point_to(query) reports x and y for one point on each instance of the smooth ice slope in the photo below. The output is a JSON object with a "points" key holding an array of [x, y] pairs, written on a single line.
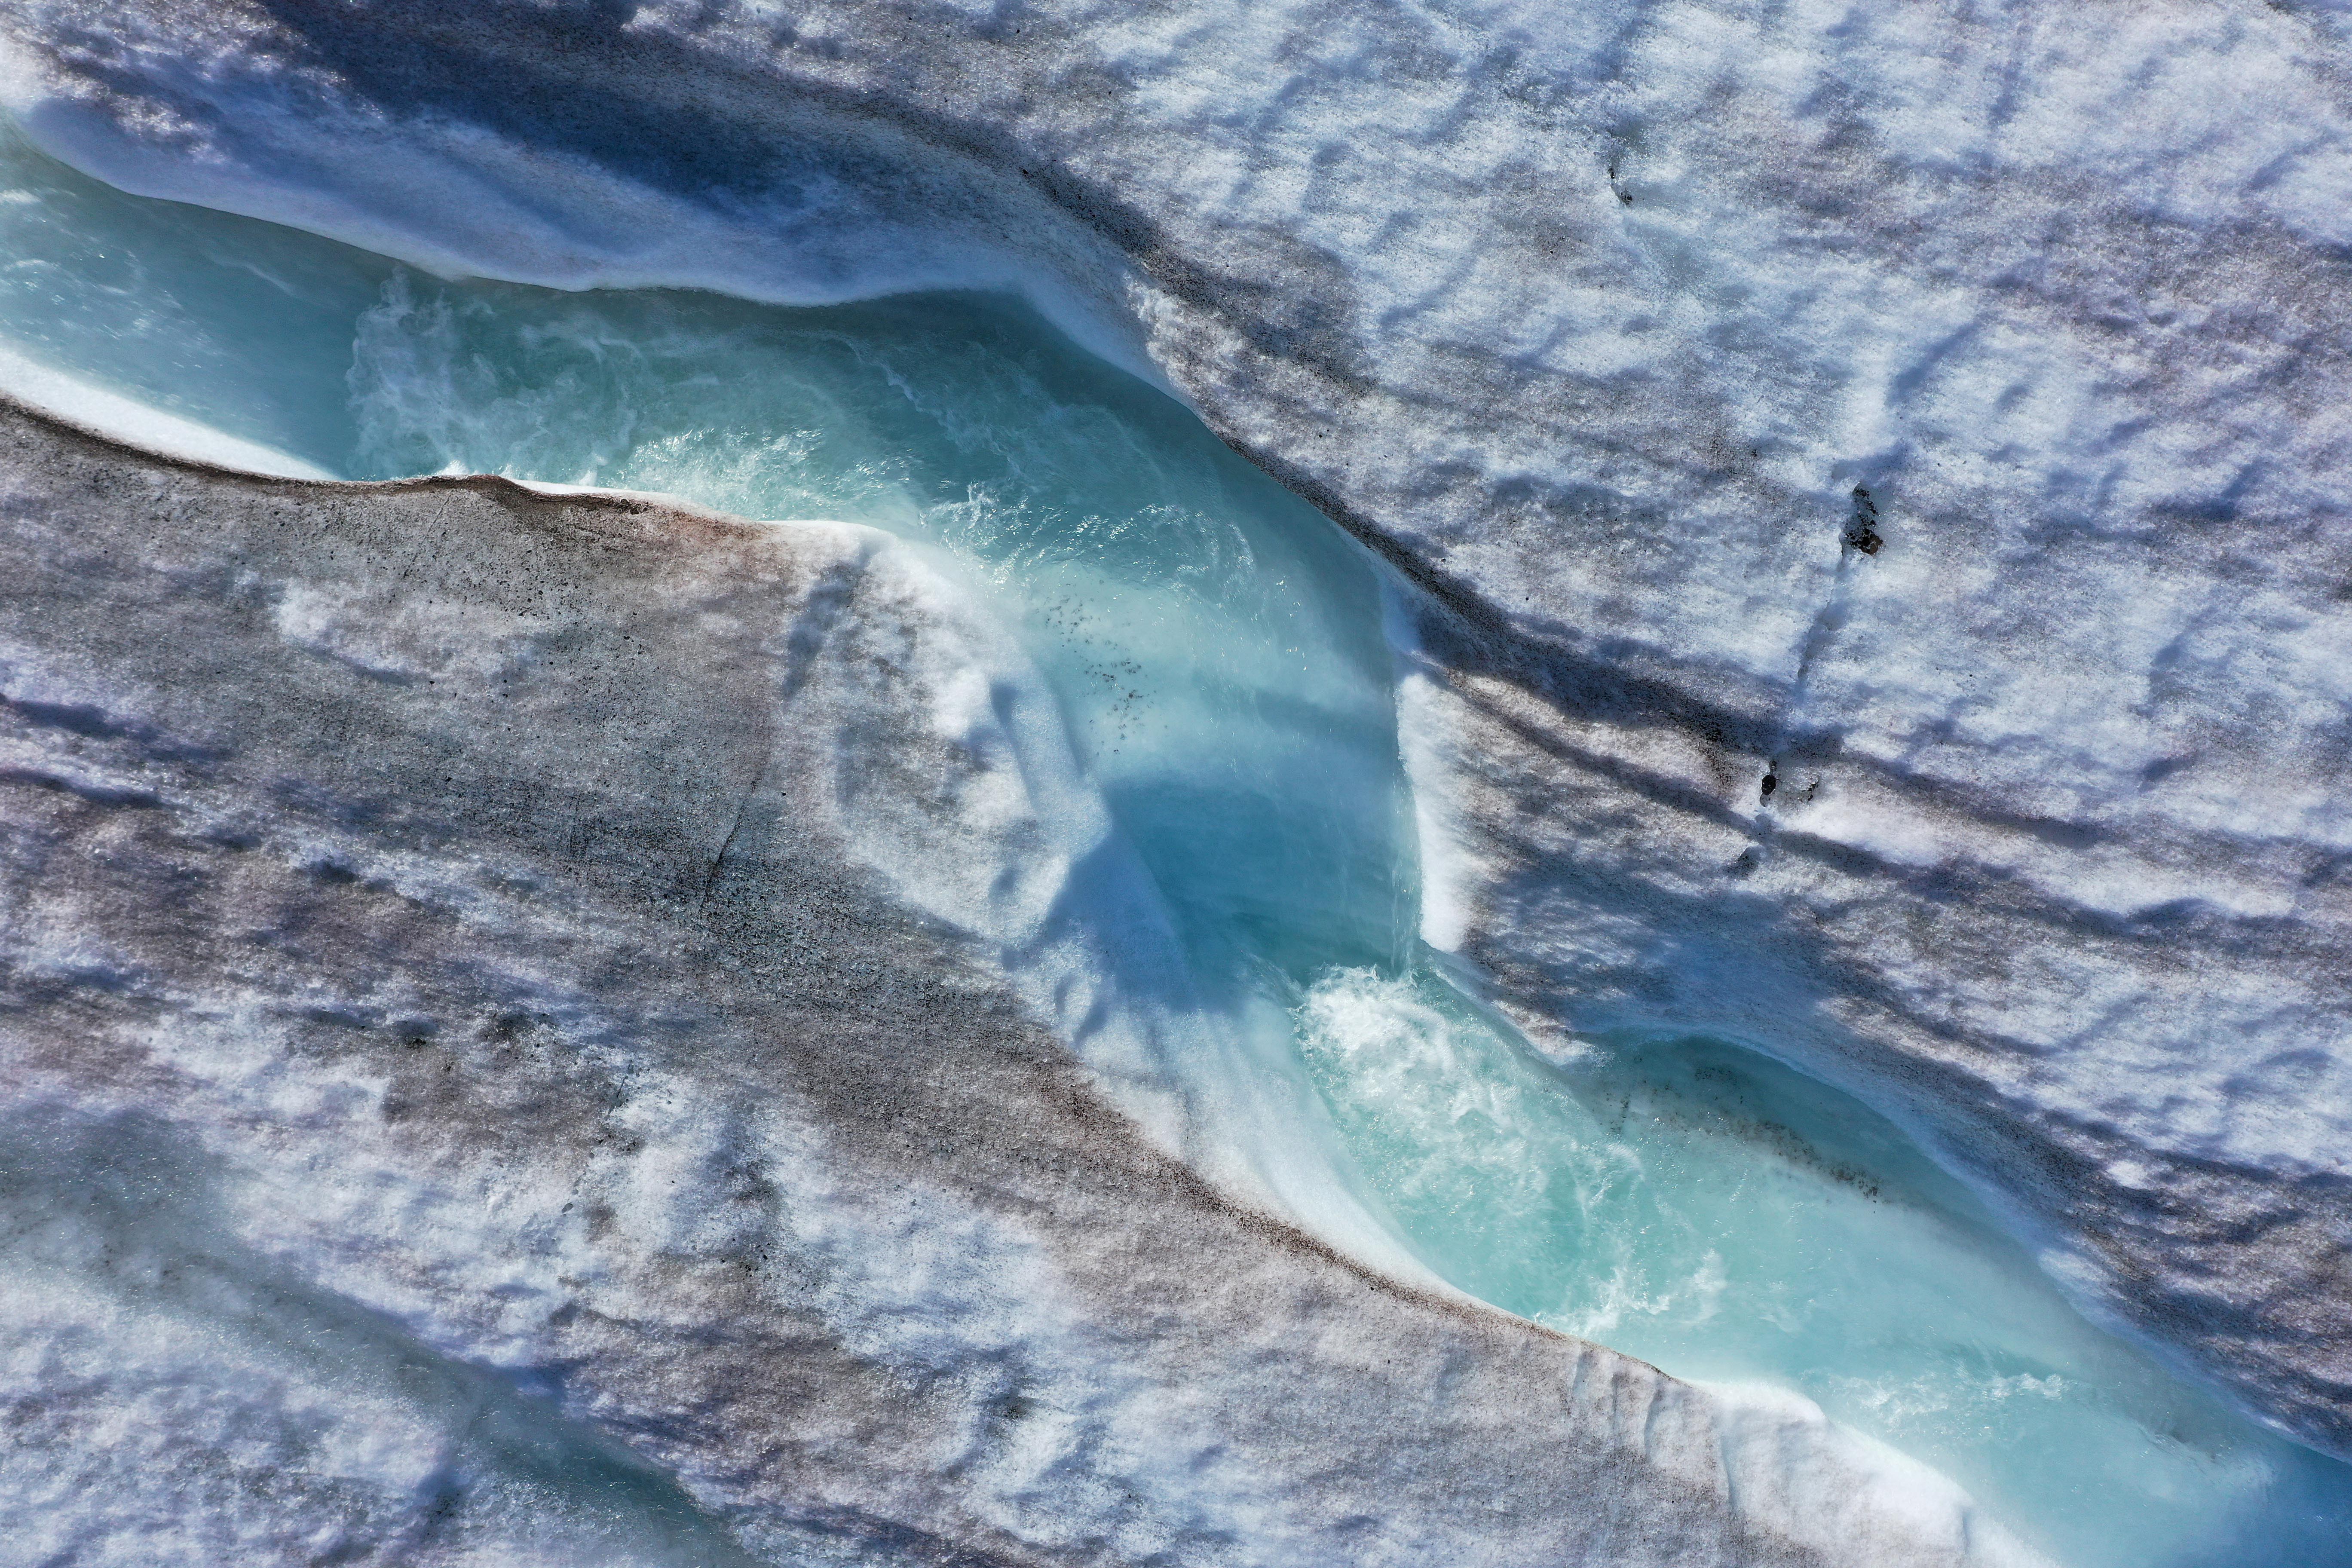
{"points": [[1596, 317], [1216, 649]]}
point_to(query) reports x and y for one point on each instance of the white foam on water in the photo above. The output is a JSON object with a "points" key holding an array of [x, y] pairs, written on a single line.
{"points": [[1681, 1202]]}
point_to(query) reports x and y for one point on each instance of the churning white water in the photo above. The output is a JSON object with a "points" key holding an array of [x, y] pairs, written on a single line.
{"points": [[1217, 648]]}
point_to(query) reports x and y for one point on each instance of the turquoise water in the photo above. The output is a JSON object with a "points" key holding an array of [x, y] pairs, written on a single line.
{"points": [[1216, 647]]}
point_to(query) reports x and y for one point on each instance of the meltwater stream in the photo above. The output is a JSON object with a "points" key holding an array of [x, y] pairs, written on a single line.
{"points": [[1218, 649]]}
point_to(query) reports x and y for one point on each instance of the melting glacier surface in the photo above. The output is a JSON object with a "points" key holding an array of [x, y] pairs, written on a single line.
{"points": [[1218, 650]]}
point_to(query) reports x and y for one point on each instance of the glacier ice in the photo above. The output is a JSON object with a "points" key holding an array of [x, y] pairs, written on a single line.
{"points": [[470, 1103], [1215, 651], [1606, 328]]}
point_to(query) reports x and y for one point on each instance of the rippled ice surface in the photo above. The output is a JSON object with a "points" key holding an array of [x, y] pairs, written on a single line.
{"points": [[1218, 649]]}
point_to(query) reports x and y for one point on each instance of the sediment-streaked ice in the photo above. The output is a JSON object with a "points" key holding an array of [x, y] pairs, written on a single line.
{"points": [[447, 998], [1932, 413], [1221, 852]]}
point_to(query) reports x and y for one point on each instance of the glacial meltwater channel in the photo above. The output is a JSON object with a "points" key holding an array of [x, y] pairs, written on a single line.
{"points": [[1218, 648]]}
